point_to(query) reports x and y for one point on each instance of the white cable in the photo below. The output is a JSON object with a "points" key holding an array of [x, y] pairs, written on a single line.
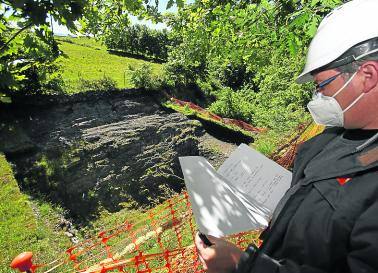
{"points": [[367, 143]]}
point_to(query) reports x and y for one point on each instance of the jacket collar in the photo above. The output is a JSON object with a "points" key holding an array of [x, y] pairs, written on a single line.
{"points": [[310, 149], [352, 162]]}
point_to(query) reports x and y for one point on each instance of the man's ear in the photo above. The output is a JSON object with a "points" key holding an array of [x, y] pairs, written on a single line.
{"points": [[370, 72]]}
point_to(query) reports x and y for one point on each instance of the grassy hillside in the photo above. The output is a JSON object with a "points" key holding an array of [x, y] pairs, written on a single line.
{"points": [[31, 225], [25, 225], [85, 58]]}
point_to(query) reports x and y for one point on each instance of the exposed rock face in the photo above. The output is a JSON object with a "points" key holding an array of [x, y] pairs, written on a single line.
{"points": [[95, 150]]}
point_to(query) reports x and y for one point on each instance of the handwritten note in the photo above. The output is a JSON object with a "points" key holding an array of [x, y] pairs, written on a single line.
{"points": [[240, 196], [256, 175]]}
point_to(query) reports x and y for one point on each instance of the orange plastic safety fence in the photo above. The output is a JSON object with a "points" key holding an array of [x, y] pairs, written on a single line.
{"points": [[227, 121], [163, 242], [285, 155]]}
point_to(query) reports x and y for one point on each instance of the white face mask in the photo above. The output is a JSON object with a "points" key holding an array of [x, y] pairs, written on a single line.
{"points": [[327, 111]]}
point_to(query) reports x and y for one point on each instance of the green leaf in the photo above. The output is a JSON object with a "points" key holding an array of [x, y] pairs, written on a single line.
{"points": [[180, 3], [170, 4], [300, 20], [313, 26], [216, 32], [314, 2], [291, 42], [5, 99]]}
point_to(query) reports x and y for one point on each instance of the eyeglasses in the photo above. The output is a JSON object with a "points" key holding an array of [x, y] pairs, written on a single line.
{"points": [[321, 85]]}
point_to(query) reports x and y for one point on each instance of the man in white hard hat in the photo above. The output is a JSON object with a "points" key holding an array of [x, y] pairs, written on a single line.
{"points": [[328, 219]]}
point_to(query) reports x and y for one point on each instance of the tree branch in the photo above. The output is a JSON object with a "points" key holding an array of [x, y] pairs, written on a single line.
{"points": [[14, 36]]}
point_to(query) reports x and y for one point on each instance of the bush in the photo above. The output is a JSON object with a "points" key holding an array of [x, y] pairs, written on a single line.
{"points": [[235, 104], [280, 102], [142, 77], [274, 101]]}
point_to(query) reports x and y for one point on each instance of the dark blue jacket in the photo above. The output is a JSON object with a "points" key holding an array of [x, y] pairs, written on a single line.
{"points": [[326, 226]]}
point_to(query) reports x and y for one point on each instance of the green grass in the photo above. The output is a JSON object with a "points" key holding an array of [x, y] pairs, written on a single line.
{"points": [[88, 59], [268, 142], [26, 225], [83, 41]]}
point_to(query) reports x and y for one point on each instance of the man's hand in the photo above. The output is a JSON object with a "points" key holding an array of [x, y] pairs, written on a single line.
{"points": [[221, 257]]}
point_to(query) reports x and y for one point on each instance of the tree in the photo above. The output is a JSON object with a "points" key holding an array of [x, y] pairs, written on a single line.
{"points": [[102, 17], [139, 39]]}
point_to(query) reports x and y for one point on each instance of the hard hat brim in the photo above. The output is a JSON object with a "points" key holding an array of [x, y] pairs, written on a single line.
{"points": [[304, 77]]}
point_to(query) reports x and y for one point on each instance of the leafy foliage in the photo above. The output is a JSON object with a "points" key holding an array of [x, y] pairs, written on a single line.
{"points": [[31, 67], [245, 55], [103, 17], [143, 77], [27, 46]]}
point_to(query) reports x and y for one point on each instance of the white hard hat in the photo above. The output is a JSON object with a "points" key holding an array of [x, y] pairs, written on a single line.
{"points": [[345, 27]]}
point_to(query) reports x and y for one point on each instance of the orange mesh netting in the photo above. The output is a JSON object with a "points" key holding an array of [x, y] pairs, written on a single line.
{"points": [[161, 242], [286, 153], [227, 121]]}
